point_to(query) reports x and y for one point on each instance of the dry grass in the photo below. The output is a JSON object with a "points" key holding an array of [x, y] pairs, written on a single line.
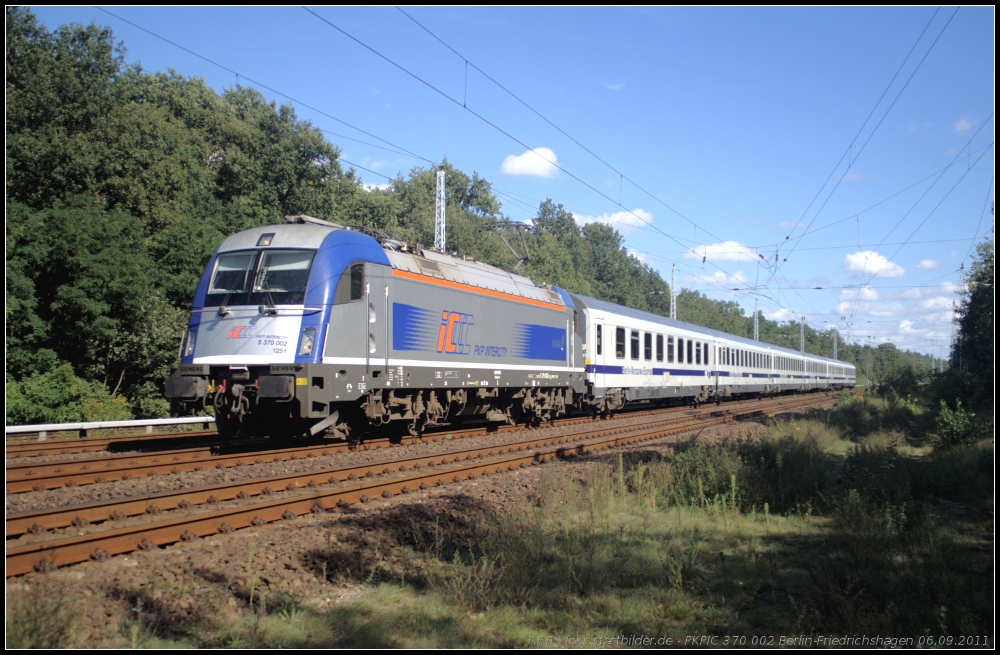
{"points": [[798, 530]]}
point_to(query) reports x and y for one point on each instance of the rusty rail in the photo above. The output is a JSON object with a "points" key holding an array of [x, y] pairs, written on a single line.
{"points": [[100, 545]]}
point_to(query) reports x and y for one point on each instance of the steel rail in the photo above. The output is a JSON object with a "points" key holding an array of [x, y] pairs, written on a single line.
{"points": [[34, 521], [101, 545], [44, 429], [99, 444], [90, 444], [23, 478]]}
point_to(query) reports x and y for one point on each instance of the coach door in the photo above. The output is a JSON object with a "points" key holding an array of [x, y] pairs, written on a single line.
{"points": [[600, 352]]}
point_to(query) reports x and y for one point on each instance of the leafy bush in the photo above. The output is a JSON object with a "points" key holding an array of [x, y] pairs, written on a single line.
{"points": [[957, 427], [59, 396]]}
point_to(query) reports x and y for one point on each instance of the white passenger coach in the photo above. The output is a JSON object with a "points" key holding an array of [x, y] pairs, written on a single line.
{"points": [[633, 355]]}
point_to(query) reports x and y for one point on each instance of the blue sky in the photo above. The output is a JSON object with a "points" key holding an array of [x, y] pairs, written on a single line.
{"points": [[732, 119]]}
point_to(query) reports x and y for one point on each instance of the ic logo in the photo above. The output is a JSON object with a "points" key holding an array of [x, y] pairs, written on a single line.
{"points": [[241, 332], [453, 332]]}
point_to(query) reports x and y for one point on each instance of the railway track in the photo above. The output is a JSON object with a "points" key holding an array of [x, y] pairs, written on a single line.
{"points": [[25, 522], [304, 492], [31, 476], [20, 449]]}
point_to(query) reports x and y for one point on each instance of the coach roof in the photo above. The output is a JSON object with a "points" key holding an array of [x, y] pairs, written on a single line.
{"points": [[611, 308]]}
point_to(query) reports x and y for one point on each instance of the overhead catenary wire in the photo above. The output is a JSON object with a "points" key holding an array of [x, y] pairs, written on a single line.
{"points": [[400, 150], [959, 181], [880, 202], [491, 124], [989, 191], [849, 150], [622, 177], [365, 169], [264, 86], [926, 218]]}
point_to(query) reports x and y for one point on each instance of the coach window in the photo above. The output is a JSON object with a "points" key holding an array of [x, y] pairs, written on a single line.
{"points": [[670, 350], [635, 344], [620, 343], [697, 353], [680, 350], [598, 340], [690, 349], [647, 346], [659, 347]]}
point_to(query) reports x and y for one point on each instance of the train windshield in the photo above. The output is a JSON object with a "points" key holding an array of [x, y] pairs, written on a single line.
{"points": [[255, 277]]}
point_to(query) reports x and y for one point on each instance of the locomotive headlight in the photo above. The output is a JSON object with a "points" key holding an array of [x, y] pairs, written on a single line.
{"points": [[189, 339], [308, 341]]}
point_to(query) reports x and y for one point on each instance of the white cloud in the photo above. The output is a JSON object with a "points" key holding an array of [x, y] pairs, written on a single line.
{"points": [[887, 309], [868, 262], [782, 315], [717, 279], [791, 225], [939, 303], [727, 251], [622, 221], [929, 264], [964, 124], [372, 187], [531, 163], [638, 254], [866, 294], [950, 287]]}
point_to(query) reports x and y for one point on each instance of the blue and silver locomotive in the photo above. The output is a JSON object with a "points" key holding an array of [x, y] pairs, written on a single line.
{"points": [[313, 327]]}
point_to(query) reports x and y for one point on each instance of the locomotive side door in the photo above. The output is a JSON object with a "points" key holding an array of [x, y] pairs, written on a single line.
{"points": [[377, 321]]}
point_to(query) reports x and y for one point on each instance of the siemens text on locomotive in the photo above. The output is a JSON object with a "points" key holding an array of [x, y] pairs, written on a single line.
{"points": [[313, 327]]}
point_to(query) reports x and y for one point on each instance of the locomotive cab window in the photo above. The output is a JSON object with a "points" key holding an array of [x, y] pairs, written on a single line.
{"points": [[253, 277], [230, 278], [647, 346], [351, 286], [635, 344], [281, 277], [620, 343]]}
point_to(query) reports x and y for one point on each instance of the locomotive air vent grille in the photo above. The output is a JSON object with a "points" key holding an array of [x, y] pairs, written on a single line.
{"points": [[429, 268]]}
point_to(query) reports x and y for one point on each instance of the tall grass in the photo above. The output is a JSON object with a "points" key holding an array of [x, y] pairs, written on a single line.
{"points": [[711, 530], [798, 531]]}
